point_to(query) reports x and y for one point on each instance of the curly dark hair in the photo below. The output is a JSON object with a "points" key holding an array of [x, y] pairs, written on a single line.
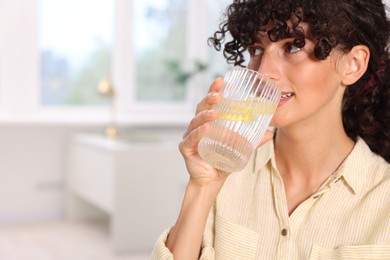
{"points": [[340, 24]]}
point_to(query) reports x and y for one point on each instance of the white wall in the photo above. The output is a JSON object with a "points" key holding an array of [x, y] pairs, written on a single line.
{"points": [[32, 168]]}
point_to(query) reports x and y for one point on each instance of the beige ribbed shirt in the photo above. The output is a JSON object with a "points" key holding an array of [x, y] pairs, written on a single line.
{"points": [[347, 218]]}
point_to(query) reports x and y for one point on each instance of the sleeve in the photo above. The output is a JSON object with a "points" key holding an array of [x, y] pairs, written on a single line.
{"points": [[208, 252], [161, 252]]}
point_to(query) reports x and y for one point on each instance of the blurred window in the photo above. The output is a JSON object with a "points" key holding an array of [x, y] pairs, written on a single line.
{"points": [[154, 52], [75, 40], [160, 36]]}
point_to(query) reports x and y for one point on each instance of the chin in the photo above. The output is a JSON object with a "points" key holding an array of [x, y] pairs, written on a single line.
{"points": [[276, 122]]}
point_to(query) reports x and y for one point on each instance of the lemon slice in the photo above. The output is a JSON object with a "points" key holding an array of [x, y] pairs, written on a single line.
{"points": [[244, 110]]}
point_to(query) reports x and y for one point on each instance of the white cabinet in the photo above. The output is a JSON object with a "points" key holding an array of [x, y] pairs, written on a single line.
{"points": [[137, 183]]}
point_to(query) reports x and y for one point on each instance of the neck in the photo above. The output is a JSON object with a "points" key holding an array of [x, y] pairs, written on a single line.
{"points": [[311, 154]]}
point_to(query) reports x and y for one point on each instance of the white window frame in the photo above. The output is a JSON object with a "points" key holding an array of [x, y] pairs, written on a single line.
{"points": [[20, 65]]}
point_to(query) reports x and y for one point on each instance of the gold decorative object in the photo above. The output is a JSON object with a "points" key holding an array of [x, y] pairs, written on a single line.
{"points": [[106, 88]]}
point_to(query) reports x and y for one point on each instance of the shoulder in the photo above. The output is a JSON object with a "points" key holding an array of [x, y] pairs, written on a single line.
{"points": [[377, 163], [363, 154], [376, 168]]}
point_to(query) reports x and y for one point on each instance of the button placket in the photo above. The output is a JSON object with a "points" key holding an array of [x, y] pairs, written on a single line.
{"points": [[282, 213]]}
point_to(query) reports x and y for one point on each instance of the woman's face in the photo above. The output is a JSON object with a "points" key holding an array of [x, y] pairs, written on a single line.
{"points": [[311, 88]]}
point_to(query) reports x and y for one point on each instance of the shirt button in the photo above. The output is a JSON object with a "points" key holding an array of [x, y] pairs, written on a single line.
{"points": [[284, 232]]}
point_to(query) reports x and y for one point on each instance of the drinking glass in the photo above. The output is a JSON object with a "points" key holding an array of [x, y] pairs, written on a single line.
{"points": [[244, 114]]}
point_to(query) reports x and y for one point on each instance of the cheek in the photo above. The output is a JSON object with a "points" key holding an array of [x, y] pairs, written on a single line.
{"points": [[314, 78]]}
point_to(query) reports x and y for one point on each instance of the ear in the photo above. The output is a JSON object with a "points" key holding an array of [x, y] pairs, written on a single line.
{"points": [[356, 64]]}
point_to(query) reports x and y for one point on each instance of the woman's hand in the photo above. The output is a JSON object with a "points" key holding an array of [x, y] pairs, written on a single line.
{"points": [[205, 182], [185, 238], [201, 172]]}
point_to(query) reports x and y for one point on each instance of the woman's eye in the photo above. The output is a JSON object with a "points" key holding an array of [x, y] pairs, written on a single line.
{"points": [[292, 48], [255, 51]]}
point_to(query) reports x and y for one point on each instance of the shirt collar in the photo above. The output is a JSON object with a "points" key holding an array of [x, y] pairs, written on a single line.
{"points": [[263, 155], [353, 171]]}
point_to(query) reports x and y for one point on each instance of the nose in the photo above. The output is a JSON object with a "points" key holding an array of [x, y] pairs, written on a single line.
{"points": [[270, 65]]}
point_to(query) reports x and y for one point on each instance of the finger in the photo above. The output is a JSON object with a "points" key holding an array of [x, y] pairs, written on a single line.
{"points": [[214, 96], [200, 119], [208, 102], [216, 86], [189, 145]]}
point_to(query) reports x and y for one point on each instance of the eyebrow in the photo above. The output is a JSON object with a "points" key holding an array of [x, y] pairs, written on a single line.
{"points": [[263, 33]]}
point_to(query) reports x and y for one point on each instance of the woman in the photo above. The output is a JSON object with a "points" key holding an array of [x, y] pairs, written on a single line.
{"points": [[319, 187]]}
